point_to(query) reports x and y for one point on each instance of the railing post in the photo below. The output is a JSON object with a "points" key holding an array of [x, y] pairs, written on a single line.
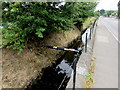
{"points": [[86, 43], [74, 71], [76, 58], [90, 33]]}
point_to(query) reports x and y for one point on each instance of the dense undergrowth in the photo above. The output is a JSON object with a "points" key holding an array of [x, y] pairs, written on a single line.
{"points": [[26, 26], [22, 21]]}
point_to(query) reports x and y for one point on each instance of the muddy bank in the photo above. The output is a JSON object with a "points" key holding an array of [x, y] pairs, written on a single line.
{"points": [[19, 70], [56, 76]]}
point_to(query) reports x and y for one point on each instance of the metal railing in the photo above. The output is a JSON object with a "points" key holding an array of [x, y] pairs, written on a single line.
{"points": [[88, 34], [77, 55]]}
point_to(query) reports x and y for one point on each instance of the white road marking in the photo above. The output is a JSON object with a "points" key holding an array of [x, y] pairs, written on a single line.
{"points": [[111, 32]]}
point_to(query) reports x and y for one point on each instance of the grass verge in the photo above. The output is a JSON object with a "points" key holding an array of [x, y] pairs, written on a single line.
{"points": [[88, 22], [89, 77]]}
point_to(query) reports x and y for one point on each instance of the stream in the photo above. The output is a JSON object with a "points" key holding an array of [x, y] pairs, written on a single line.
{"points": [[55, 77]]}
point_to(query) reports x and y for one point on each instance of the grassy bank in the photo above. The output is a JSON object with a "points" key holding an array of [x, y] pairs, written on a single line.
{"points": [[18, 70], [88, 22]]}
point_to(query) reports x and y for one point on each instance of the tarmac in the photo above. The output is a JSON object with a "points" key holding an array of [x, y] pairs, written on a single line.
{"points": [[104, 47], [106, 53]]}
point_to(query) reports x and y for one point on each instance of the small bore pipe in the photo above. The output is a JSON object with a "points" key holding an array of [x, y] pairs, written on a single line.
{"points": [[64, 49]]}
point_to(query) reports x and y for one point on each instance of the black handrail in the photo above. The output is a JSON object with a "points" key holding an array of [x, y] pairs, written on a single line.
{"points": [[78, 53]]}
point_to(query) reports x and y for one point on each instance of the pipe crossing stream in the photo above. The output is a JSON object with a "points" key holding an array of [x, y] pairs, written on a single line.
{"points": [[56, 77]]}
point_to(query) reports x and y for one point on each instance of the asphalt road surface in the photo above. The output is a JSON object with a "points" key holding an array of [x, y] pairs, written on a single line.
{"points": [[112, 26], [106, 53]]}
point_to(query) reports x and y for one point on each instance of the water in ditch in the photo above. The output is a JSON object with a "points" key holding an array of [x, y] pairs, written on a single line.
{"points": [[55, 77]]}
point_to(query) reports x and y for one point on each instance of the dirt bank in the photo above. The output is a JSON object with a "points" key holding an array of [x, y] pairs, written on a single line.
{"points": [[18, 70]]}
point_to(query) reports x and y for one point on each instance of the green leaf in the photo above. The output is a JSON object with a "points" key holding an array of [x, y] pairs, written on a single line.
{"points": [[42, 29], [88, 75], [24, 20], [39, 34]]}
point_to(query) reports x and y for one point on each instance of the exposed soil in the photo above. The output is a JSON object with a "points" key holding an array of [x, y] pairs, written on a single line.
{"points": [[18, 70]]}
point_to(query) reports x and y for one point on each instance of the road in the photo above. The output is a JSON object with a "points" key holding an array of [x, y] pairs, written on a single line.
{"points": [[106, 53], [111, 25]]}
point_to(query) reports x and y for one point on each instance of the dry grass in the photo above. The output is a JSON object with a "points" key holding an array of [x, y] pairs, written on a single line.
{"points": [[89, 77], [89, 21], [18, 70]]}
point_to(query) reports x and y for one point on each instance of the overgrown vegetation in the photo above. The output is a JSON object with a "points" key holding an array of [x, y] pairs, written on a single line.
{"points": [[119, 9], [102, 11], [23, 21], [89, 22], [89, 76], [109, 13]]}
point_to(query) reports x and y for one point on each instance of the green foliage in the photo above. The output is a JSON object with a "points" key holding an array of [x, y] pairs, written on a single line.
{"points": [[82, 11], [119, 9], [105, 14], [88, 75], [109, 12], [23, 20], [97, 13], [102, 11]]}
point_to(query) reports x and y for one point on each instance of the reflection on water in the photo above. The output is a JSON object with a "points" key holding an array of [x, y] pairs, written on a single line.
{"points": [[53, 75]]}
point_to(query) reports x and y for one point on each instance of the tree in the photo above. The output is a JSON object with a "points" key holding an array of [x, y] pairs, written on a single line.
{"points": [[109, 12], [102, 11], [82, 11], [105, 14], [119, 9], [97, 13], [23, 21]]}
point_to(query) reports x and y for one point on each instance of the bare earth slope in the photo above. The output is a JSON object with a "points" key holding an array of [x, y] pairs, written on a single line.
{"points": [[18, 70]]}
